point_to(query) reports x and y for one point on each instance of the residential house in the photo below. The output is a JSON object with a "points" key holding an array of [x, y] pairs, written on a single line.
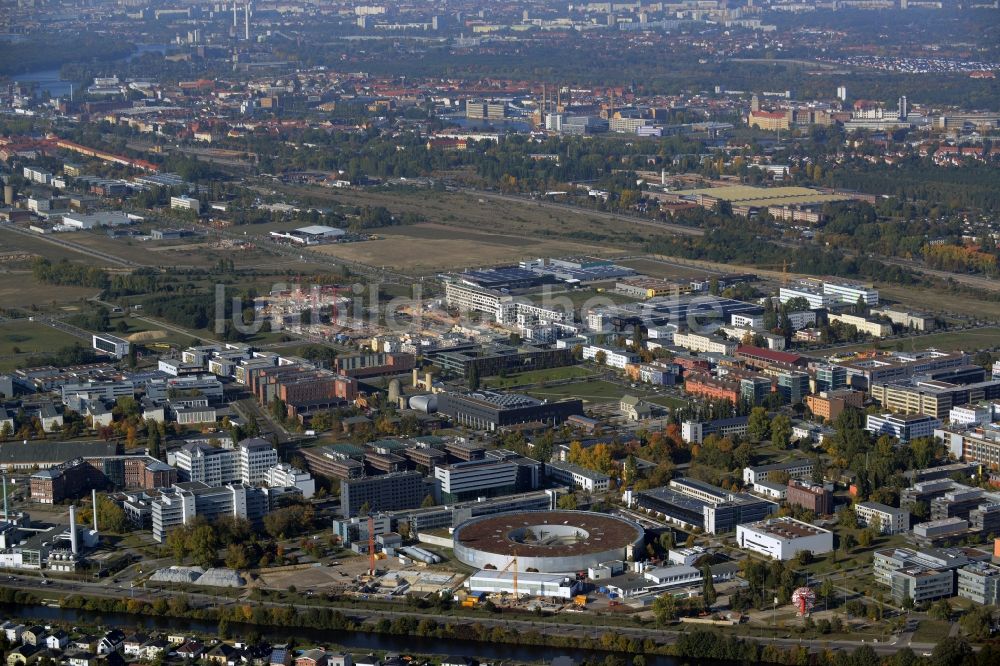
{"points": [[57, 640], [34, 635], [223, 654], [634, 409], [190, 650], [24, 654], [76, 657], [132, 647], [314, 657], [12, 631], [280, 656], [112, 641]]}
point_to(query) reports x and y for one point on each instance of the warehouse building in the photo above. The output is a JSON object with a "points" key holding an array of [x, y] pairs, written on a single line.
{"points": [[701, 505]]}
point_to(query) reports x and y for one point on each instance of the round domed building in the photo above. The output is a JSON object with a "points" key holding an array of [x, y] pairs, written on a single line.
{"points": [[546, 541]]}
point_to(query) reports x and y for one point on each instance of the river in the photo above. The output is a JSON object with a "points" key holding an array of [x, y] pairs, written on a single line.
{"points": [[51, 82], [355, 641]]}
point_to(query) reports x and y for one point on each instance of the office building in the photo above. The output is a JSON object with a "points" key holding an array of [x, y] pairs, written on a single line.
{"points": [[905, 427], [256, 456], [783, 538], [697, 504], [811, 496], [110, 344], [944, 528], [980, 445], [184, 202], [890, 367], [181, 503], [979, 582], [709, 387], [793, 386], [830, 377], [577, 477], [476, 478], [922, 575], [889, 520], [799, 468], [491, 411], [248, 462], [695, 432], [284, 475], [613, 357], [831, 404], [385, 492], [936, 394], [499, 359], [705, 344]]}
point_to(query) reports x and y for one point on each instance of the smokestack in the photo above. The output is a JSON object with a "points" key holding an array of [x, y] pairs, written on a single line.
{"points": [[6, 515], [246, 20], [72, 529], [8, 195], [93, 495], [663, 177], [235, 19]]}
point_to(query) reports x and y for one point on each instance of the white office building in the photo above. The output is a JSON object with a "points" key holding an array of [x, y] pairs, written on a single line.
{"points": [[185, 202], [529, 584], [890, 520], [284, 475], [474, 478], [709, 344], [783, 538], [613, 358], [256, 457], [578, 477]]}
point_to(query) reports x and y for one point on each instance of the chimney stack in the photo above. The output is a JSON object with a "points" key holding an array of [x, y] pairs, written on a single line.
{"points": [[72, 530], [93, 492]]}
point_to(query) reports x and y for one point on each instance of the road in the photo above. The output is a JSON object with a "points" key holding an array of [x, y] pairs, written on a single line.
{"points": [[176, 329], [200, 600], [75, 247]]}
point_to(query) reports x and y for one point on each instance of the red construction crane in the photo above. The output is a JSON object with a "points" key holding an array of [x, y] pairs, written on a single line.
{"points": [[371, 545]]}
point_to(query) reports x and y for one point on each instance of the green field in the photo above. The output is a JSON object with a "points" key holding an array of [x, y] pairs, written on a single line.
{"points": [[970, 340], [595, 390], [931, 631], [20, 339], [537, 376]]}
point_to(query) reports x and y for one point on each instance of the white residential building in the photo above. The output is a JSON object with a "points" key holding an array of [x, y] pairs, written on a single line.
{"points": [[185, 202]]}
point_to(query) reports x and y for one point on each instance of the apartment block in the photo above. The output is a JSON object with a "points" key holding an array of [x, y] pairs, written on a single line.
{"points": [[905, 427]]}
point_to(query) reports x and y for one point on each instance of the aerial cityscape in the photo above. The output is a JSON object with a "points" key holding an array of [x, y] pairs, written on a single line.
{"points": [[459, 332]]}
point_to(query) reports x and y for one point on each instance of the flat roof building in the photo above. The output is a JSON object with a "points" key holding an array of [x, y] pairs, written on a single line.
{"points": [[783, 538]]}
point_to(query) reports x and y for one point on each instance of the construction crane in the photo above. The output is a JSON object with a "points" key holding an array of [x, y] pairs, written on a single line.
{"points": [[371, 545], [512, 563]]}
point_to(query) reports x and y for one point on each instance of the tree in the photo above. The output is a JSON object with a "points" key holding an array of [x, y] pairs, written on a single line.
{"points": [[153, 439], [940, 610], [601, 357], [665, 609], [759, 425], [951, 651], [428, 501], [567, 502], [473, 378], [364, 509], [848, 542], [708, 591], [781, 431]]}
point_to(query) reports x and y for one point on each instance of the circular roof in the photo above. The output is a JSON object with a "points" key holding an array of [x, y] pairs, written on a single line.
{"points": [[547, 533]]}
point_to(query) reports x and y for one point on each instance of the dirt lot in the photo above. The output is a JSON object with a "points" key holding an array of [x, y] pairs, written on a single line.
{"points": [[427, 248]]}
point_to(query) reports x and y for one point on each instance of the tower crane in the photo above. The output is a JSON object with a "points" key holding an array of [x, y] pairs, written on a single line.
{"points": [[512, 563]]}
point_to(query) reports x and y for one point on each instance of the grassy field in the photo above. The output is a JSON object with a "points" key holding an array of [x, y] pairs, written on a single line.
{"points": [[429, 248], [20, 339], [970, 340], [941, 301], [21, 290], [931, 631], [537, 376], [668, 271], [595, 390]]}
